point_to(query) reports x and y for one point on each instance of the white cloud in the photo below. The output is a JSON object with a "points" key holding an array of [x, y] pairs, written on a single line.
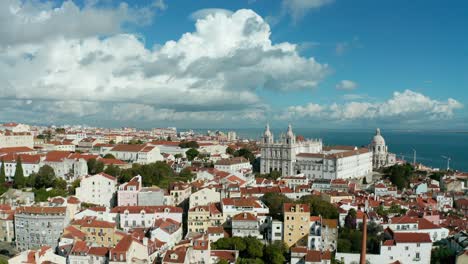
{"points": [[203, 13], [343, 47], [30, 21], [299, 8], [405, 106], [218, 67], [346, 85]]}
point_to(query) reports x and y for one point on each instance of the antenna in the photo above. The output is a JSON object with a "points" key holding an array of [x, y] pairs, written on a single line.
{"points": [[448, 161]]}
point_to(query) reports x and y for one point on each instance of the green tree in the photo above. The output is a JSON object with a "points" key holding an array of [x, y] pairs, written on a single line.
{"points": [[437, 175], [364, 181], [125, 175], [442, 254], [189, 144], [95, 166], [344, 245], [60, 183], [246, 153], [112, 142], [109, 156], [275, 202], [400, 175], [72, 188], [192, 154], [350, 219], [275, 253], [320, 207], [254, 247], [19, 181], [112, 170], [45, 177], [230, 151], [2, 174], [186, 174], [178, 156]]}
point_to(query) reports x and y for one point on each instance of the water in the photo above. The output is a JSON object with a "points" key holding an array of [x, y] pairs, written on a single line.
{"points": [[429, 146]]}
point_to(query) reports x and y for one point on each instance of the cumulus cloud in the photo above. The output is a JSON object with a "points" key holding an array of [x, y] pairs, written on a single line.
{"points": [[29, 21], [218, 67], [202, 13], [346, 85], [299, 8], [407, 105]]}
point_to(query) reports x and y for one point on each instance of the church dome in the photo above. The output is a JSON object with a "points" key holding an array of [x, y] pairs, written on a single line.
{"points": [[290, 134], [378, 140], [267, 132]]}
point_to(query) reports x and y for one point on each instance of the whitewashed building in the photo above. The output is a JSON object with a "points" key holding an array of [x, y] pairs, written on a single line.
{"points": [[142, 154], [204, 196], [98, 189], [10, 139], [237, 165], [144, 216], [290, 157]]}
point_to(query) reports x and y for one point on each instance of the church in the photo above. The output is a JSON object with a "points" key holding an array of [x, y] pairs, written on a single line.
{"points": [[290, 156], [381, 157]]}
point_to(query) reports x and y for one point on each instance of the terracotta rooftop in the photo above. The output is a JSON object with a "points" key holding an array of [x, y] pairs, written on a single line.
{"points": [[244, 217], [412, 237], [129, 147], [40, 210], [231, 161], [175, 256], [147, 209], [289, 207]]}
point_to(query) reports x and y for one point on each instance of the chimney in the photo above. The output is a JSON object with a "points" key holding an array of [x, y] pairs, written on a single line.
{"points": [[362, 259]]}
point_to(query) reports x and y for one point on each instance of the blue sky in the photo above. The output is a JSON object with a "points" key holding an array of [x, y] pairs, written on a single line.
{"points": [[327, 63]]}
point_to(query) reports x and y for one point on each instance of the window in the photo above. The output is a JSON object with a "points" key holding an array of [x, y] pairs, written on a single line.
{"points": [[406, 248], [418, 244], [417, 255]]}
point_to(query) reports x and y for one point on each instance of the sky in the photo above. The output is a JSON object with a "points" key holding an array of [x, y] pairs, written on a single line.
{"points": [[235, 64]]}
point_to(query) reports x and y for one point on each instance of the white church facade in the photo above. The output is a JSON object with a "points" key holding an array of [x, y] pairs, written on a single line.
{"points": [[309, 157], [381, 157]]}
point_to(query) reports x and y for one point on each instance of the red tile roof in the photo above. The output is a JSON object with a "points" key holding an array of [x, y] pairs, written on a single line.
{"points": [[129, 147], [242, 202], [25, 158], [244, 217], [98, 251], [147, 209], [90, 221], [15, 149], [175, 256], [229, 255], [102, 174], [40, 210], [231, 161], [116, 162], [287, 207], [73, 200], [412, 237], [79, 248]]}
